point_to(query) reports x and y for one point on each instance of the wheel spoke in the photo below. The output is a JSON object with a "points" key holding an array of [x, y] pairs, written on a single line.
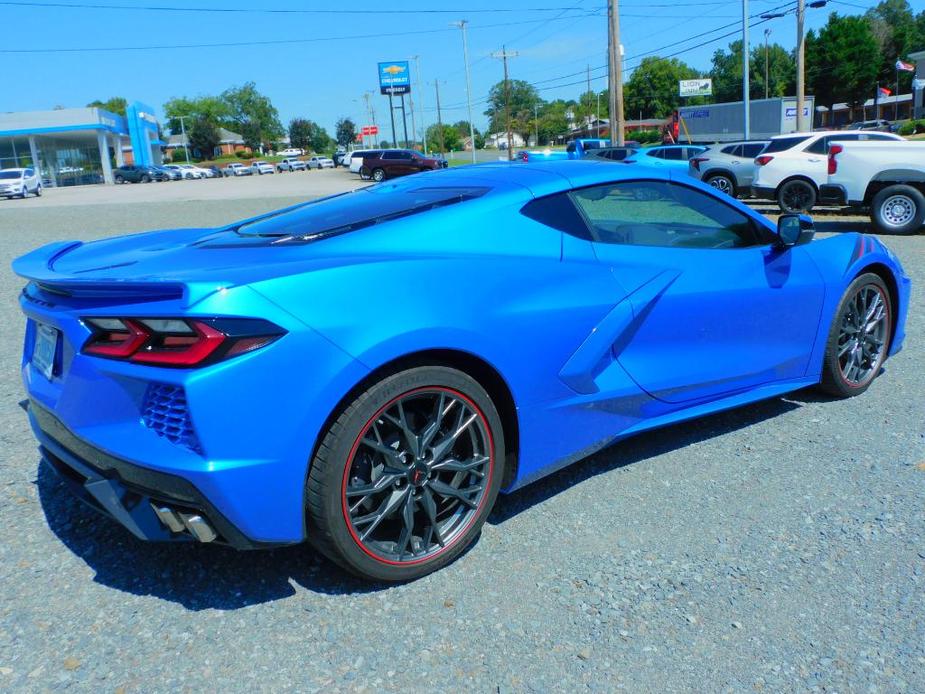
{"points": [[386, 509], [449, 492], [452, 465], [447, 442], [430, 508], [440, 411], [408, 526]]}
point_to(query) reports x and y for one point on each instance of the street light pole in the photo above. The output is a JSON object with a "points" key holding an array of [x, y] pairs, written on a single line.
{"points": [[417, 68], [767, 32], [536, 125], [801, 65], [183, 131], [504, 55], [745, 71], [615, 76], [461, 24]]}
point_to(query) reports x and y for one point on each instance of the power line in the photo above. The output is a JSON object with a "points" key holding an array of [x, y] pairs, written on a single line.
{"points": [[269, 42], [258, 10]]}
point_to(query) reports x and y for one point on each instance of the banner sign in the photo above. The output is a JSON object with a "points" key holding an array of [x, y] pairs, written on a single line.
{"points": [[791, 112], [394, 77], [699, 87], [370, 130]]}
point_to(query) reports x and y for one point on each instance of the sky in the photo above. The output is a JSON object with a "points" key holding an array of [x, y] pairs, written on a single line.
{"points": [[318, 65]]}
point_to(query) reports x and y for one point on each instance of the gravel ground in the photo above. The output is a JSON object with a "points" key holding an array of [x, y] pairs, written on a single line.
{"points": [[775, 547]]}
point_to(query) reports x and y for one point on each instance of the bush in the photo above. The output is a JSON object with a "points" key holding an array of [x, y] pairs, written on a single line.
{"points": [[919, 126], [645, 136], [244, 154], [907, 128]]}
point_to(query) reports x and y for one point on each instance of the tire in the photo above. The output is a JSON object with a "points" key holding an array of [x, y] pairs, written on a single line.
{"points": [[364, 173], [146, 179], [723, 183], [796, 196], [898, 209], [378, 175], [38, 191], [119, 180], [851, 373], [418, 489]]}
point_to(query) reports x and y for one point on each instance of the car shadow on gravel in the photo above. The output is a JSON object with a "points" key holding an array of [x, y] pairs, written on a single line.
{"points": [[203, 577], [196, 576], [642, 447]]}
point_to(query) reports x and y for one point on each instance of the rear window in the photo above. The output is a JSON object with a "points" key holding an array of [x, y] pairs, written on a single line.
{"points": [[782, 144], [753, 149], [358, 209], [6, 175]]}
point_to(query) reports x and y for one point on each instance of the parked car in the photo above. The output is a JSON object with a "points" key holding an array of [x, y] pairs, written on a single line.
{"points": [[131, 173], [355, 158], [340, 157], [879, 124], [728, 168], [204, 171], [20, 183], [397, 162], [291, 164], [670, 156], [172, 174], [888, 178], [581, 147], [292, 152], [216, 172], [262, 167], [236, 168], [387, 408], [611, 153], [187, 171], [321, 163], [792, 167]]}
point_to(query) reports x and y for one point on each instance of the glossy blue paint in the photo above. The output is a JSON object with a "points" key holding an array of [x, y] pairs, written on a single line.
{"points": [[595, 342], [654, 156]]}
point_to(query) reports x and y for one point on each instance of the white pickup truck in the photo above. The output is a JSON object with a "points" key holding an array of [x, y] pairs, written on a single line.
{"points": [[886, 177]]}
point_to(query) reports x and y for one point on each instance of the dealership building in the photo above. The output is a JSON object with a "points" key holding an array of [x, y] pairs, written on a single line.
{"points": [[79, 146]]}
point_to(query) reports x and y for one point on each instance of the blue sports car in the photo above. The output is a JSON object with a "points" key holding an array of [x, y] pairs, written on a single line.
{"points": [[368, 371]]}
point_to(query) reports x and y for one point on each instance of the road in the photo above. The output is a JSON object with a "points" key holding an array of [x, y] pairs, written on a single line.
{"points": [[779, 546]]}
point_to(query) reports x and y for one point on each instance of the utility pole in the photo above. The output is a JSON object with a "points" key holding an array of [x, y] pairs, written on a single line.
{"points": [[369, 114], [417, 69], [461, 24], [504, 55], [183, 131], [801, 66], [439, 119], [767, 32], [536, 125], [745, 72], [414, 128], [597, 116], [615, 78]]}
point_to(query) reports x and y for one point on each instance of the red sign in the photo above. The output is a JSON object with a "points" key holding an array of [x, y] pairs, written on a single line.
{"points": [[369, 130]]}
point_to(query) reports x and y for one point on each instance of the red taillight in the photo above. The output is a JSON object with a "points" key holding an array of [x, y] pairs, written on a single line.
{"points": [[763, 159], [697, 161], [175, 341], [525, 156], [833, 164]]}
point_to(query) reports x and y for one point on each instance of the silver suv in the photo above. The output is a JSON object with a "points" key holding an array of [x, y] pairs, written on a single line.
{"points": [[729, 168]]}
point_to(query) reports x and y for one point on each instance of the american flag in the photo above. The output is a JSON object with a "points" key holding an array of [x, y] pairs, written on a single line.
{"points": [[908, 67]]}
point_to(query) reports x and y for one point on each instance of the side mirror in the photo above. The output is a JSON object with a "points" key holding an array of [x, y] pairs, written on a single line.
{"points": [[793, 229]]}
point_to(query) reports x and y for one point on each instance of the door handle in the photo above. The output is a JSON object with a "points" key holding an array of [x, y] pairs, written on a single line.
{"points": [[815, 161]]}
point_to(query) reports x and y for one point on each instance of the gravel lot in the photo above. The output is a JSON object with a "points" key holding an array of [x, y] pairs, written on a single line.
{"points": [[775, 547]]}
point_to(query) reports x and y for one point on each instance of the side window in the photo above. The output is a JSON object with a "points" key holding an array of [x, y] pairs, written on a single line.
{"points": [[405, 155], [820, 146], [30, 172], [673, 154], [390, 155], [876, 136], [570, 147], [734, 150], [658, 153], [752, 150], [559, 212], [658, 213]]}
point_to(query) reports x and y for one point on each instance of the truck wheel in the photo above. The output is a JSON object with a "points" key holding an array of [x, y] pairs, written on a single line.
{"points": [[898, 209], [796, 196]]}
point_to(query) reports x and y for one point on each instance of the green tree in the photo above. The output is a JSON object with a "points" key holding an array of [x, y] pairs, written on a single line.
{"points": [[308, 135], [212, 108], [781, 72], [248, 106], [553, 121], [114, 104], [203, 136], [448, 139], [652, 90], [523, 97], [894, 27], [462, 128], [345, 131], [842, 61]]}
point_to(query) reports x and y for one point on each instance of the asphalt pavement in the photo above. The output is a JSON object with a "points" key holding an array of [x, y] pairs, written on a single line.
{"points": [[774, 547]]}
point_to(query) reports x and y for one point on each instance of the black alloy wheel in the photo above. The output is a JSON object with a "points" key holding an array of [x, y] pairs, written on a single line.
{"points": [[405, 477], [859, 338], [796, 196]]}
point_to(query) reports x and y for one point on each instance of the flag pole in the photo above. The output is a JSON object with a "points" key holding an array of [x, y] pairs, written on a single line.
{"points": [[896, 94]]}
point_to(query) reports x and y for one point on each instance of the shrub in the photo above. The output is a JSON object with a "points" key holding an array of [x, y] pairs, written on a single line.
{"points": [[920, 126], [907, 128], [244, 154]]}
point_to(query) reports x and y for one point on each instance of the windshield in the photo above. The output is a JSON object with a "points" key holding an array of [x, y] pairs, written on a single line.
{"points": [[354, 210], [10, 174]]}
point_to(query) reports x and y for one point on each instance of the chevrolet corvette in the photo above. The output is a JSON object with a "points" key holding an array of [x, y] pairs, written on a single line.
{"points": [[368, 371]]}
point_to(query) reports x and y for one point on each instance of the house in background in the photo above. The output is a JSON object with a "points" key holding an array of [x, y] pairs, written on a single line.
{"points": [[229, 144]]}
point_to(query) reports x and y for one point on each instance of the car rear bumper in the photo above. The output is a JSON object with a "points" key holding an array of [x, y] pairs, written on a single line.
{"points": [[831, 194], [763, 192]]}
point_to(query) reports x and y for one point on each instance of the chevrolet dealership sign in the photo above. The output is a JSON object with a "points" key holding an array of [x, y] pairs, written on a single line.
{"points": [[394, 77]]}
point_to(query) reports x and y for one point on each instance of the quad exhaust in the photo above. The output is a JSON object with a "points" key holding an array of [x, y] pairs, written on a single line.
{"points": [[185, 522]]}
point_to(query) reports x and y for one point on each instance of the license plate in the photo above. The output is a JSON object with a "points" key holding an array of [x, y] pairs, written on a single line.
{"points": [[45, 350]]}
